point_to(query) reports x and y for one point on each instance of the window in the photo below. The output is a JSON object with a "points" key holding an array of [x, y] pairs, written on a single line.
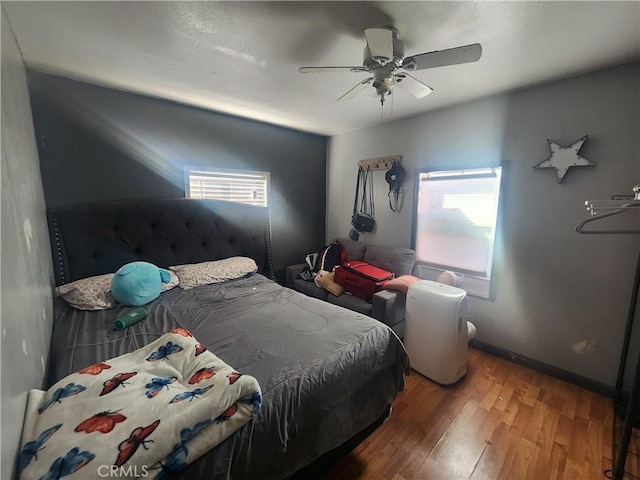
{"points": [[242, 186], [456, 213]]}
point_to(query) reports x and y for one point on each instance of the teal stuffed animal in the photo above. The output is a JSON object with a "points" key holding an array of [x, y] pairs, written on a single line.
{"points": [[138, 283]]}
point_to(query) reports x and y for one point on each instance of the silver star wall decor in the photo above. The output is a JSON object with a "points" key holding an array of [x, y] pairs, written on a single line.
{"points": [[563, 158]]}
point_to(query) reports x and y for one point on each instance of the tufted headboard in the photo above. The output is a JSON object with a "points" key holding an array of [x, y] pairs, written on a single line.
{"points": [[98, 238]]}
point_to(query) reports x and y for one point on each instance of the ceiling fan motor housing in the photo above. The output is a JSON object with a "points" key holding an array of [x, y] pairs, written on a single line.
{"points": [[383, 67], [369, 62]]}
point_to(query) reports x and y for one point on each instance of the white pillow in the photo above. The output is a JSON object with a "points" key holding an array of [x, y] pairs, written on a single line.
{"points": [[205, 273]]}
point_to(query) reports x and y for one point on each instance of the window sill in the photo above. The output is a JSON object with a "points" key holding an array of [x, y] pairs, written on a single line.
{"points": [[474, 286]]}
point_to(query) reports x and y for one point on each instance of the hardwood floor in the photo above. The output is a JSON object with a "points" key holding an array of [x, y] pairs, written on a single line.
{"points": [[501, 421]]}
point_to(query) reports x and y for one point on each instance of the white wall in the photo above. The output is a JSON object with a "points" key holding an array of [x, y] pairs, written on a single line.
{"points": [[561, 297], [27, 272]]}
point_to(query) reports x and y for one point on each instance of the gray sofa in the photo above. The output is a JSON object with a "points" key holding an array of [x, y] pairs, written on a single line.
{"points": [[387, 306]]}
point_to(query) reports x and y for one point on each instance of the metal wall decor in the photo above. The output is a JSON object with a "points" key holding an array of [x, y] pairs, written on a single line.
{"points": [[563, 158]]}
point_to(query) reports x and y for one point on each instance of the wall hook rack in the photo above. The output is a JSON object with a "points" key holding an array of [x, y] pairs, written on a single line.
{"points": [[380, 163]]}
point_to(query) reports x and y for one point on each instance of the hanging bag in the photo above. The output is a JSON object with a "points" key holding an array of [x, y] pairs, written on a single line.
{"points": [[363, 214]]}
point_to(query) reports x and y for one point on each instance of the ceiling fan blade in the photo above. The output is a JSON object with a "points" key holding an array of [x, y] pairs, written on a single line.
{"points": [[330, 69], [380, 43], [357, 89], [441, 58], [412, 85]]}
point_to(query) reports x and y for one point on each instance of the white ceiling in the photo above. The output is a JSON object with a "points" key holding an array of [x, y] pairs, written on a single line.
{"points": [[242, 58]]}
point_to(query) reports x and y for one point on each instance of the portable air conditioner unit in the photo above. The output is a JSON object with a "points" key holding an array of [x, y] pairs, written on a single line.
{"points": [[436, 334]]}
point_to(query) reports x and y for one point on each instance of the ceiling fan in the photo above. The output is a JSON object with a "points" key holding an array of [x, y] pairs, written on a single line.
{"points": [[384, 59]]}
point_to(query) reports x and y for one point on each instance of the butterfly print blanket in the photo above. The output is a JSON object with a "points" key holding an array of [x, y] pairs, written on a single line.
{"points": [[144, 414]]}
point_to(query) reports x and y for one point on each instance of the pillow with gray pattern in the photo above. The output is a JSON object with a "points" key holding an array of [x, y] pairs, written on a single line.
{"points": [[91, 293], [94, 293]]}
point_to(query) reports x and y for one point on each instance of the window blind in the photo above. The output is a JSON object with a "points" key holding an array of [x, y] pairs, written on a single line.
{"points": [[456, 219], [235, 186]]}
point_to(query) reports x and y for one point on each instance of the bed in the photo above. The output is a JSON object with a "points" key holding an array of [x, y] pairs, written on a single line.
{"points": [[327, 374]]}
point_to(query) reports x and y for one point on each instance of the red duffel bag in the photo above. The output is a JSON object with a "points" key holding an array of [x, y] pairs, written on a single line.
{"points": [[361, 278]]}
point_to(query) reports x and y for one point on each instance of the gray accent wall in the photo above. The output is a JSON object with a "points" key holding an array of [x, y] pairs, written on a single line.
{"points": [[101, 144], [27, 271], [561, 297]]}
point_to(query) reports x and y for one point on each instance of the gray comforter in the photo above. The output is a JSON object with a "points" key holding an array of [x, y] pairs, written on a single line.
{"points": [[326, 373]]}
